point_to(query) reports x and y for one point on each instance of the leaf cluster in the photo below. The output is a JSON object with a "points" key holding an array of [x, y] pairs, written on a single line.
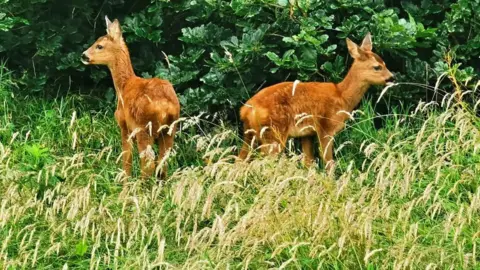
{"points": [[219, 53]]}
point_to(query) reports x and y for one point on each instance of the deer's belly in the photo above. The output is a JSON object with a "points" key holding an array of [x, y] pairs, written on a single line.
{"points": [[302, 126], [301, 131]]}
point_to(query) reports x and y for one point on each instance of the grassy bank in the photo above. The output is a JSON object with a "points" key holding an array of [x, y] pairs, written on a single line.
{"points": [[404, 196]]}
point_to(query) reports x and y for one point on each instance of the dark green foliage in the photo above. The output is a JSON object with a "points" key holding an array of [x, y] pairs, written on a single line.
{"points": [[221, 52]]}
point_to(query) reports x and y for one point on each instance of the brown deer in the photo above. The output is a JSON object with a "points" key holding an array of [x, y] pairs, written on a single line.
{"points": [[306, 110], [147, 109]]}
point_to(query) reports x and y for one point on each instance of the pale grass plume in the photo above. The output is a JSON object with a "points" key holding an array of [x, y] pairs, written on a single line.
{"points": [[14, 136], [350, 115], [385, 89], [27, 136], [263, 130], [74, 140], [173, 125], [477, 85], [294, 87], [439, 81], [475, 107], [132, 135], [302, 117], [149, 128], [163, 161], [163, 127], [72, 120], [398, 205], [148, 153], [305, 128]]}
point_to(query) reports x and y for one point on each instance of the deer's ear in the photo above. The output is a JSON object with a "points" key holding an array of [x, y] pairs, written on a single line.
{"points": [[107, 22], [114, 30], [367, 43], [355, 51]]}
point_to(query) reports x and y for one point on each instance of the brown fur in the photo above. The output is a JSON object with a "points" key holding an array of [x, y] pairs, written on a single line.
{"points": [[144, 106], [315, 109]]}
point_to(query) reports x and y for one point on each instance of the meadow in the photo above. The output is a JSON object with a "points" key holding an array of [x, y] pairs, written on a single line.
{"points": [[405, 195]]}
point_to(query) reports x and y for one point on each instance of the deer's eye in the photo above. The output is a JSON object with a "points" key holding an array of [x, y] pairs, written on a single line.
{"points": [[377, 68], [99, 47]]}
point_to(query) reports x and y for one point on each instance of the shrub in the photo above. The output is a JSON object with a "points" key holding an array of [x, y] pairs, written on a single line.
{"points": [[221, 52]]}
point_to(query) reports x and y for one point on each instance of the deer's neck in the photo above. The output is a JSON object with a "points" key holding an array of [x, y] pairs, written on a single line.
{"points": [[352, 89], [121, 70]]}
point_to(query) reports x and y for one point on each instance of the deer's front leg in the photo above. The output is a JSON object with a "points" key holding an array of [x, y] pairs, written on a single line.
{"points": [[126, 145], [126, 150], [326, 140]]}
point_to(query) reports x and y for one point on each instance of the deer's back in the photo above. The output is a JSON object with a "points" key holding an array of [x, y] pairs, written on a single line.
{"points": [[150, 100], [283, 106], [311, 98]]}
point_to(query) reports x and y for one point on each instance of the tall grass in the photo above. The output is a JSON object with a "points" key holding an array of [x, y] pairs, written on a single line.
{"points": [[405, 196]]}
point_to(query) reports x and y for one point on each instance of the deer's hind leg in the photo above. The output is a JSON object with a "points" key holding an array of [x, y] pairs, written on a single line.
{"points": [[326, 137], [147, 155], [165, 144], [307, 149]]}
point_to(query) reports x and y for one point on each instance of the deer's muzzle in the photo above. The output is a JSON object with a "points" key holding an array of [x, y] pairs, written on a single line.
{"points": [[85, 59]]}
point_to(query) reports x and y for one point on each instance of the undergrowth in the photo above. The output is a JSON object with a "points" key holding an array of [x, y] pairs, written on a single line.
{"points": [[404, 196]]}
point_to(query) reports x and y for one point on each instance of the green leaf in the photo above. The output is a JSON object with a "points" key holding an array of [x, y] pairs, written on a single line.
{"points": [[287, 54], [309, 54], [274, 58], [81, 248], [282, 3]]}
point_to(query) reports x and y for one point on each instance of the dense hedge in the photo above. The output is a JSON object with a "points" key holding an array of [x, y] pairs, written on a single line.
{"points": [[220, 52]]}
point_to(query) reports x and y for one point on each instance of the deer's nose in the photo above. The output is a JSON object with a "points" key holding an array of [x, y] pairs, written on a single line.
{"points": [[391, 79], [85, 58]]}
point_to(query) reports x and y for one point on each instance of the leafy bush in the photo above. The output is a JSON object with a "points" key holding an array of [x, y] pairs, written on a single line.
{"points": [[221, 52]]}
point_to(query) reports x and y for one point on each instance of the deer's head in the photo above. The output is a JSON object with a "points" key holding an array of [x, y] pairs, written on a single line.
{"points": [[107, 48], [367, 65]]}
